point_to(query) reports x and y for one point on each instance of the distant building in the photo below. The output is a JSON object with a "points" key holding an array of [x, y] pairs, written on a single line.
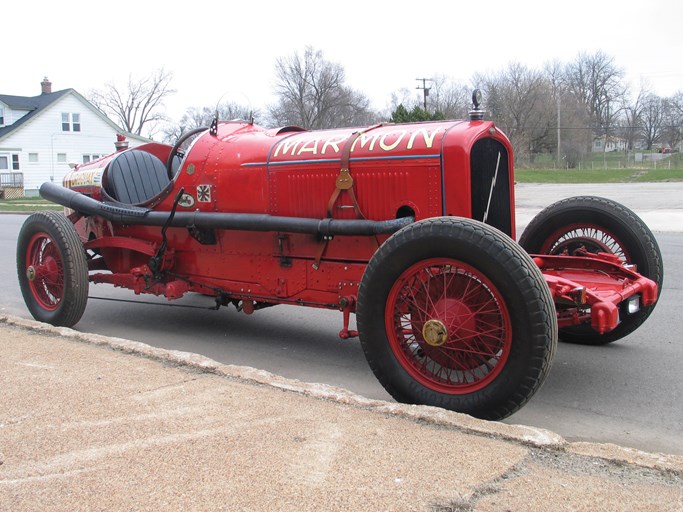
{"points": [[41, 135], [605, 145]]}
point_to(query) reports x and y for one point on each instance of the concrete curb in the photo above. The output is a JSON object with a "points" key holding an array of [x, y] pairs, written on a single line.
{"points": [[520, 434]]}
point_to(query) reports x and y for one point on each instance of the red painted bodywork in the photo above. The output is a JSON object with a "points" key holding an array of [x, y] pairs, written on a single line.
{"points": [[420, 169]]}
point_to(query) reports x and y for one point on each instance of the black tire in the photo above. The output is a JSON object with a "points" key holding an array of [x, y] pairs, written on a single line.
{"points": [[452, 313], [597, 224], [52, 269]]}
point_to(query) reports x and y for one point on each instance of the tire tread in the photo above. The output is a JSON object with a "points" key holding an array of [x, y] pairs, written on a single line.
{"points": [[517, 261]]}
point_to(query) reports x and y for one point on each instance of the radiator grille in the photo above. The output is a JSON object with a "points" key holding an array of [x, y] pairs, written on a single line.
{"points": [[484, 161]]}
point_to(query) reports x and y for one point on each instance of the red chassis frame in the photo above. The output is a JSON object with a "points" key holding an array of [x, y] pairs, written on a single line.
{"points": [[599, 283]]}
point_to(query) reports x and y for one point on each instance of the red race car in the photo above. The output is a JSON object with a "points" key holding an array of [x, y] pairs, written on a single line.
{"points": [[410, 227]]}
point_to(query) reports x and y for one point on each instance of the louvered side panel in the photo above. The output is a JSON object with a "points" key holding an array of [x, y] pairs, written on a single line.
{"points": [[301, 193], [380, 190], [380, 193]]}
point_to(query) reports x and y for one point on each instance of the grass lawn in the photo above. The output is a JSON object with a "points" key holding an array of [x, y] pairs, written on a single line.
{"points": [[597, 175], [28, 204], [612, 167]]}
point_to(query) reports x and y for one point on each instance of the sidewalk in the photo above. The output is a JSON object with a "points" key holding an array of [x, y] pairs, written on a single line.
{"points": [[85, 427]]}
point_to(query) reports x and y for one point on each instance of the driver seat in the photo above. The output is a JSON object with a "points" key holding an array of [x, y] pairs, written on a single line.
{"points": [[135, 177]]}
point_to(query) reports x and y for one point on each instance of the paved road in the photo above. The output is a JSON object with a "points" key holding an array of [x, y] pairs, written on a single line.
{"points": [[660, 205], [629, 392]]}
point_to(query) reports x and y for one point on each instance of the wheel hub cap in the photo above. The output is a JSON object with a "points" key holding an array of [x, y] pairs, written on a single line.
{"points": [[435, 333]]}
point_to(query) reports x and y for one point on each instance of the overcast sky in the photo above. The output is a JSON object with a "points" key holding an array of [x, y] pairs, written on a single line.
{"points": [[228, 48]]}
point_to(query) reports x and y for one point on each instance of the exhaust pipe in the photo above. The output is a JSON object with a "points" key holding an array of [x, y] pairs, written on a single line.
{"points": [[120, 213]]}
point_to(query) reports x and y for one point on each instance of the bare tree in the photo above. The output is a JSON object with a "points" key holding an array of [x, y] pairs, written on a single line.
{"points": [[447, 99], [312, 93], [652, 119], [576, 134], [631, 121], [555, 73], [451, 99], [597, 83], [673, 120], [196, 117], [572, 135], [520, 100], [405, 97], [139, 104]]}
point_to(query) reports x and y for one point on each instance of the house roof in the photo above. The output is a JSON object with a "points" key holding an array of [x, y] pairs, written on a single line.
{"points": [[610, 138], [37, 104]]}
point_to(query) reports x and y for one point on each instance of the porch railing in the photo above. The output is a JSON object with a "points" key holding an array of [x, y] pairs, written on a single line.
{"points": [[11, 179]]}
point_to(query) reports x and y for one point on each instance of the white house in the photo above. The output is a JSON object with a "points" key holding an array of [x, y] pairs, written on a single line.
{"points": [[41, 135], [604, 144]]}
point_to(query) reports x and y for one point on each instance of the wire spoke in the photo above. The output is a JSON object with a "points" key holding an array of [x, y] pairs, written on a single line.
{"points": [[464, 302]]}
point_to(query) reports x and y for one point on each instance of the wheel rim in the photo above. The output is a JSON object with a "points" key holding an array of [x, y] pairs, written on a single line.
{"points": [[448, 326], [576, 238], [45, 271]]}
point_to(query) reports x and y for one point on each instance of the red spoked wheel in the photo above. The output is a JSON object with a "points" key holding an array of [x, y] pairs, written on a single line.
{"points": [[454, 314], [52, 269], [45, 271], [580, 226], [579, 239], [448, 325]]}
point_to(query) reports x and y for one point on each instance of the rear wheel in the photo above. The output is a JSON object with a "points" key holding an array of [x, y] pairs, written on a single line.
{"points": [[452, 313], [587, 224], [52, 269]]}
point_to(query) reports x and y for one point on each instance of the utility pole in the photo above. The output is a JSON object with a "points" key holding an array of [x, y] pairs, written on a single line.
{"points": [[425, 89], [559, 145]]}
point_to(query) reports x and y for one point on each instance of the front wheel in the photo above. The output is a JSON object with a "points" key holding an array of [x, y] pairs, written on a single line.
{"points": [[452, 313], [588, 224], [52, 269]]}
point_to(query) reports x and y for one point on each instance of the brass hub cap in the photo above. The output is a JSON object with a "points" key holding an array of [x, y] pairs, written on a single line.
{"points": [[31, 273], [435, 333]]}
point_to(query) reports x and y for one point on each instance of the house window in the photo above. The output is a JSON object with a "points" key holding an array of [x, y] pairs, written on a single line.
{"points": [[4, 163], [61, 158], [33, 158], [2, 116], [15, 162], [71, 122], [90, 158]]}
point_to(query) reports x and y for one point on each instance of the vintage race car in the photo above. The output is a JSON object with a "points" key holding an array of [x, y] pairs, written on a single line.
{"points": [[410, 227]]}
